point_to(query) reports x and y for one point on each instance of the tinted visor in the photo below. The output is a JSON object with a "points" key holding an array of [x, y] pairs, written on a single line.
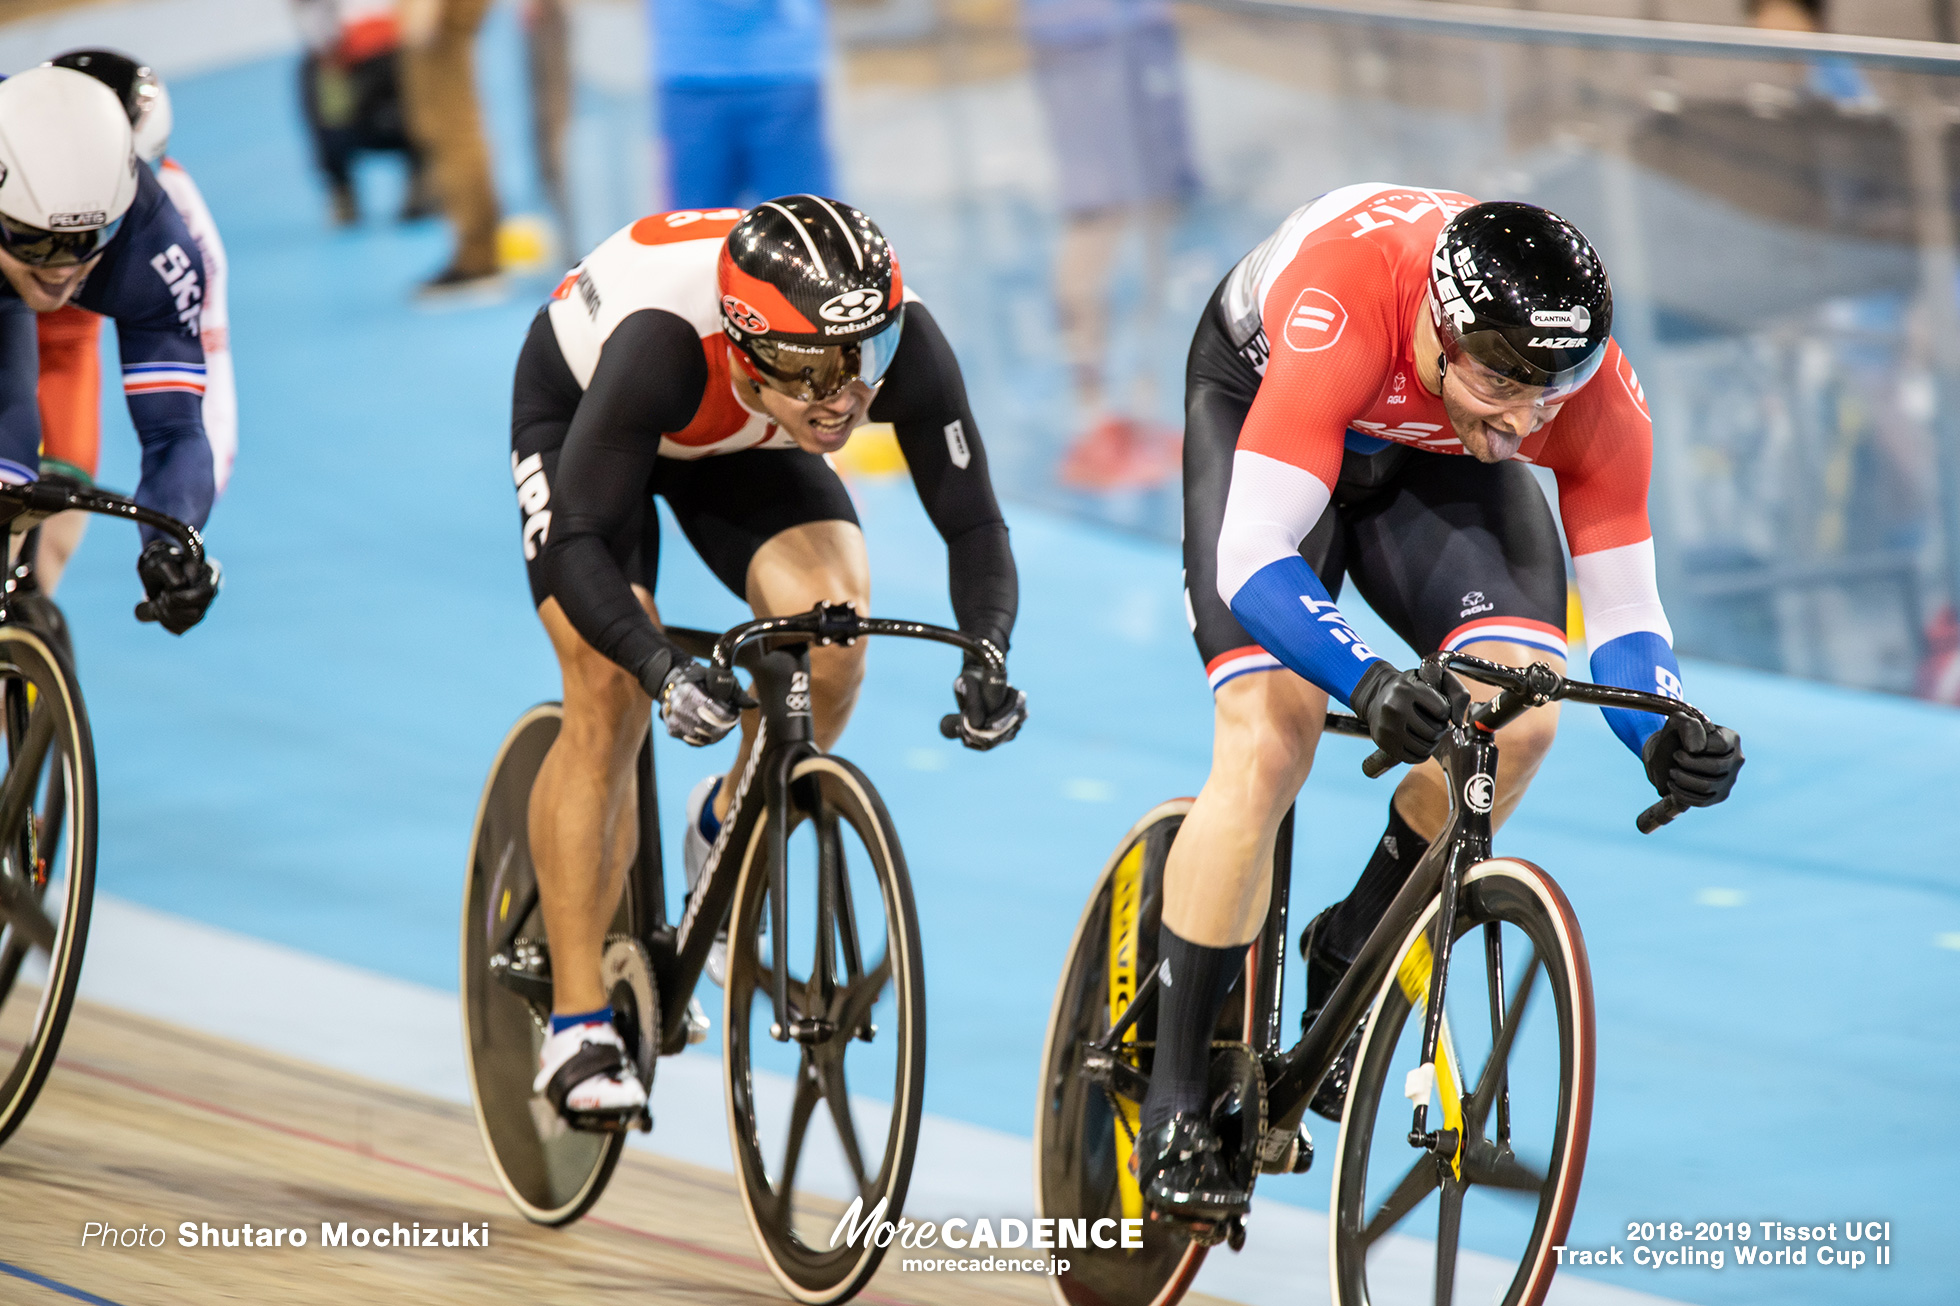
{"points": [[52, 249], [813, 373], [1561, 373]]}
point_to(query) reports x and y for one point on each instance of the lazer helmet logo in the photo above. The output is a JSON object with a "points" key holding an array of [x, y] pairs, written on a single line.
{"points": [[1576, 318], [740, 315], [852, 305]]}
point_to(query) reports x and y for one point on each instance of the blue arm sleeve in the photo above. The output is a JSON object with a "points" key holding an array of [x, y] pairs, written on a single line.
{"points": [[151, 283], [1641, 660], [1284, 606], [163, 380]]}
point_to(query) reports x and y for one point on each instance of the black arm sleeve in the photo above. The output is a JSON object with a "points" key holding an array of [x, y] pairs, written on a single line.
{"points": [[924, 397], [650, 379]]}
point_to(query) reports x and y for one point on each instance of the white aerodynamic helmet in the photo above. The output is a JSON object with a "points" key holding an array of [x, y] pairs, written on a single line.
{"points": [[67, 166]]}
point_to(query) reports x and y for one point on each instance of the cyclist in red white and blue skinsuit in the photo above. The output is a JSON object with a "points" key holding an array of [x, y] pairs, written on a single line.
{"points": [[139, 267], [1363, 396]]}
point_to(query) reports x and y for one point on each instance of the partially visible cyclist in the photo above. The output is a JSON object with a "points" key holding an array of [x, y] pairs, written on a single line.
{"points": [[1363, 396], [71, 380], [713, 358], [83, 222]]}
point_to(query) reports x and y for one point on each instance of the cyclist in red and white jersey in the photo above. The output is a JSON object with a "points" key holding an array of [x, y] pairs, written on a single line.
{"points": [[714, 358], [1363, 397]]}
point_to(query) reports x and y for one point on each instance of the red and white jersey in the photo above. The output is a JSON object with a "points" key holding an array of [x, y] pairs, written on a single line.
{"points": [[220, 387], [1326, 310]]}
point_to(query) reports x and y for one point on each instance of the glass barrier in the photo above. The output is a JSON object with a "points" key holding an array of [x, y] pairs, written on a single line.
{"points": [[1777, 219]]}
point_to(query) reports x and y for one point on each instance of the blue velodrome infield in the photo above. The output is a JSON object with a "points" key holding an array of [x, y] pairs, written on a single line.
{"points": [[1778, 981]]}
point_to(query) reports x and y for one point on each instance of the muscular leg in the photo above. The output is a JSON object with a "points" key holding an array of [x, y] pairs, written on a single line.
{"points": [[819, 561], [1266, 725], [1265, 728], [584, 827], [61, 535]]}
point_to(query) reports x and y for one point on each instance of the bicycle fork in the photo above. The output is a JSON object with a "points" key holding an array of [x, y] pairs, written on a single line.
{"points": [[1469, 760]]}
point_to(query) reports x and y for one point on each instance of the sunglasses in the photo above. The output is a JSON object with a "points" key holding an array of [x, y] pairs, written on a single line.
{"points": [[814, 373], [52, 249]]}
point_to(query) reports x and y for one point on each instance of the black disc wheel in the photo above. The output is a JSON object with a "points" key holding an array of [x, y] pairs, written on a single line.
{"points": [[552, 1173], [1476, 1215], [829, 1115], [47, 861], [1086, 1119]]}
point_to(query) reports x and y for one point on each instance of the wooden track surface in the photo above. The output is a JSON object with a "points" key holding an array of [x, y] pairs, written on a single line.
{"points": [[142, 1123]]}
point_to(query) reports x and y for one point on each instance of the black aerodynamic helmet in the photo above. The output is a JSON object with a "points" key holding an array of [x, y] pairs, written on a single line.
{"points": [[1522, 291], [811, 296], [141, 91]]}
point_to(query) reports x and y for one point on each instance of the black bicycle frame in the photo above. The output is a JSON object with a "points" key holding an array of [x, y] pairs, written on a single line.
{"points": [[784, 738], [1468, 755]]}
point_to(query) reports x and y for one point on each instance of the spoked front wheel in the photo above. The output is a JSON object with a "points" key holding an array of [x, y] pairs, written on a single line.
{"points": [[47, 861], [1474, 1221], [831, 1111]]}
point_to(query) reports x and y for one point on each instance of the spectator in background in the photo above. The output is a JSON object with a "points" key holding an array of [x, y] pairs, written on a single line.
{"points": [[439, 89], [741, 99], [1836, 80], [351, 95], [1108, 75]]}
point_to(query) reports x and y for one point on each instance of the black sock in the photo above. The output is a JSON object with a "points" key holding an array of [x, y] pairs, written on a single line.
{"points": [[1192, 981], [1394, 860]]}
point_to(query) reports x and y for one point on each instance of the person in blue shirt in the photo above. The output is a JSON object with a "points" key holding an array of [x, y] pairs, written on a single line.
{"points": [[81, 220], [740, 91]]}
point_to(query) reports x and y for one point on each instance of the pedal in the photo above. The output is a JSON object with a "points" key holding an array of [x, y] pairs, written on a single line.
{"points": [[1113, 1074], [1235, 1233], [525, 969], [1286, 1151]]}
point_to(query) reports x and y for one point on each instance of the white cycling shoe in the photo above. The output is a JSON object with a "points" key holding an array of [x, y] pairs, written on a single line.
{"points": [[694, 857], [584, 1072]]}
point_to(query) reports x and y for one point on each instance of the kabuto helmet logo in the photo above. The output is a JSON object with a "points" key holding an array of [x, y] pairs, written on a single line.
{"points": [[852, 305], [743, 316]]}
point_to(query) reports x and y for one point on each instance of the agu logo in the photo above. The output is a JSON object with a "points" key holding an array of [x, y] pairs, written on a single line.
{"points": [[852, 305], [1315, 322], [740, 315]]}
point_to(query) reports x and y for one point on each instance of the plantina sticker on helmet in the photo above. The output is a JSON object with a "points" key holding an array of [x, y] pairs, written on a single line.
{"points": [[811, 297]]}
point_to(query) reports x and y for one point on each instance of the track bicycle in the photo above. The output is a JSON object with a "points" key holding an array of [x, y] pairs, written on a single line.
{"points": [[846, 980], [47, 794], [1494, 1180]]}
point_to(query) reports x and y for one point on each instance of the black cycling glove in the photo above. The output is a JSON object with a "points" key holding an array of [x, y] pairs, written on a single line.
{"points": [[1405, 714], [699, 702], [991, 710], [179, 590], [1696, 767]]}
